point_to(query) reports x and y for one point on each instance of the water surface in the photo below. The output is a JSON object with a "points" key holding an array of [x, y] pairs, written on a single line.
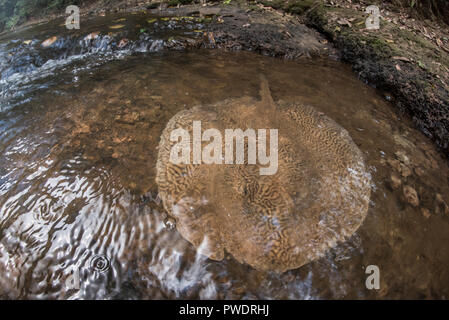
{"points": [[78, 150]]}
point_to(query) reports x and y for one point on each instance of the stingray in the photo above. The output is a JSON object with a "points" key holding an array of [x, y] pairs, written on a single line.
{"points": [[318, 197]]}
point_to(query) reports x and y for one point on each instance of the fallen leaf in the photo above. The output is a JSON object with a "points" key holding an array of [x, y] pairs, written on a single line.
{"points": [[398, 67], [116, 26], [49, 41], [402, 59], [151, 20], [344, 22], [27, 42]]}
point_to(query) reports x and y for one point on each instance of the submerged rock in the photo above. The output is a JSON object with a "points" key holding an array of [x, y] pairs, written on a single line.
{"points": [[425, 212], [411, 196], [318, 196]]}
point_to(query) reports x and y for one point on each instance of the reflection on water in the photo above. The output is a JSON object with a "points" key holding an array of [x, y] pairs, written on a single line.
{"points": [[78, 192]]}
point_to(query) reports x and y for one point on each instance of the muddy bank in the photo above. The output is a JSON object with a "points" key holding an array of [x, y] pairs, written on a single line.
{"points": [[411, 70]]}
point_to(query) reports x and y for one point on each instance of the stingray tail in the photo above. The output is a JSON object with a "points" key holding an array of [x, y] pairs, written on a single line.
{"points": [[265, 94], [265, 91]]}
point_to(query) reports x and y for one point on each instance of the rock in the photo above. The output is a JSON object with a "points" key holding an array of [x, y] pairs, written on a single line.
{"points": [[441, 204], [411, 196], [170, 223], [395, 164], [395, 181], [402, 157], [116, 155], [439, 198], [219, 217], [419, 171], [209, 11], [425, 212], [119, 140], [48, 42], [129, 118], [81, 128], [117, 26]]}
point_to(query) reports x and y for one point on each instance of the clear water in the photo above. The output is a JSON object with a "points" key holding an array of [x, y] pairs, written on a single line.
{"points": [[78, 149]]}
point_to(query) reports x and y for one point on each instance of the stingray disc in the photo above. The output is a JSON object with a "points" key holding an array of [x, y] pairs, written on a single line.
{"points": [[318, 196]]}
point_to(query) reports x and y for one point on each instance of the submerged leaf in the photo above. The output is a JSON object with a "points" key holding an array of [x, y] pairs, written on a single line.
{"points": [[116, 26]]}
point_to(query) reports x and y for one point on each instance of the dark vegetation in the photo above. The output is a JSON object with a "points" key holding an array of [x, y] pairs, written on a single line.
{"points": [[16, 12]]}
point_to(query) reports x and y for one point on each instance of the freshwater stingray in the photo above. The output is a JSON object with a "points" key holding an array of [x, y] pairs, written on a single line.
{"points": [[318, 196]]}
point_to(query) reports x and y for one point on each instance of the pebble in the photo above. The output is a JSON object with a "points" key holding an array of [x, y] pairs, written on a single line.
{"points": [[116, 155], [411, 196], [395, 181], [123, 43], [405, 171], [441, 203], [395, 164], [439, 198]]}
